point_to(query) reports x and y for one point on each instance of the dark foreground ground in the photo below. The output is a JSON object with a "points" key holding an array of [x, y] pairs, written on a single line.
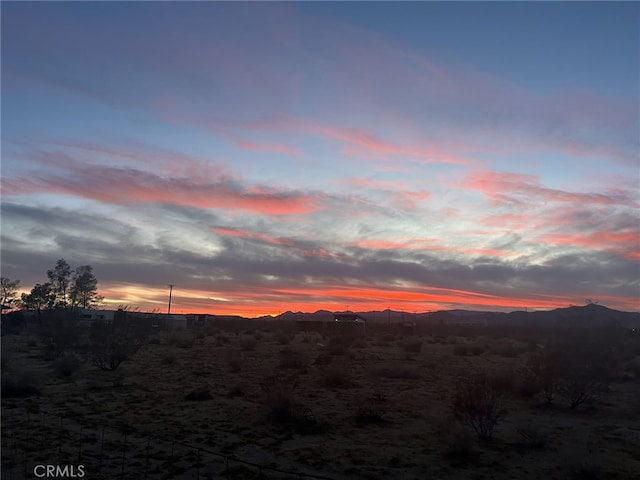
{"points": [[256, 403]]}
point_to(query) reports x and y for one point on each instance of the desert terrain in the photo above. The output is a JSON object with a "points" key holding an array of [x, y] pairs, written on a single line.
{"points": [[262, 400]]}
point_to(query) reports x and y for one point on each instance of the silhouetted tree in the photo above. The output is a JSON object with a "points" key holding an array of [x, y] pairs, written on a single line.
{"points": [[60, 278], [84, 288], [8, 292], [39, 298]]}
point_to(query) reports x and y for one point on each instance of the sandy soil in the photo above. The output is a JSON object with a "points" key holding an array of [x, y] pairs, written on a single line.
{"points": [[371, 410]]}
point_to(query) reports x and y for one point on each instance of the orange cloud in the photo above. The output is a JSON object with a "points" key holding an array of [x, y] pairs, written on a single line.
{"points": [[260, 300]]}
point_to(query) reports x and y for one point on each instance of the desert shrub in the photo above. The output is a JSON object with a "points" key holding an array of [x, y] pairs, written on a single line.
{"points": [[370, 414], [532, 436], [66, 366], [112, 344], [542, 371], [58, 332], [222, 339], [581, 463], [248, 343], [335, 377], [199, 394], [278, 393], [412, 346], [394, 371], [19, 385], [278, 397], [478, 402], [577, 371], [289, 358]]}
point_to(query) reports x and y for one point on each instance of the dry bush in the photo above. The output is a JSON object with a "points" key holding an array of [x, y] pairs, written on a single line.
{"points": [[278, 393], [113, 343], [478, 402], [532, 436], [370, 414], [289, 358], [66, 366], [579, 371]]}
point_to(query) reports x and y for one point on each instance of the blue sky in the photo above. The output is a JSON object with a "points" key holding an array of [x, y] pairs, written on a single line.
{"points": [[270, 156]]}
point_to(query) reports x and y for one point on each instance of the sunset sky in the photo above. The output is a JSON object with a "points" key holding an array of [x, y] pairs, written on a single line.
{"points": [[265, 157]]}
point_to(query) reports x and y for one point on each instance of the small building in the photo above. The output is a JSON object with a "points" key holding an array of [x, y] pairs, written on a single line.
{"points": [[349, 323], [171, 322], [89, 315]]}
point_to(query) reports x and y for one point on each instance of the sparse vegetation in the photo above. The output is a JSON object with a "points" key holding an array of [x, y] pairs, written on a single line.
{"points": [[269, 395], [478, 402], [66, 366]]}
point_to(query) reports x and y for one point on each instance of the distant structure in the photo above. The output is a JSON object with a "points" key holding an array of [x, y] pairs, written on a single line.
{"points": [[349, 323]]}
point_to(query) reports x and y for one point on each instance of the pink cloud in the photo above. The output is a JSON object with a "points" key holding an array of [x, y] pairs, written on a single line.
{"points": [[625, 243], [521, 189], [429, 245], [400, 195], [124, 186]]}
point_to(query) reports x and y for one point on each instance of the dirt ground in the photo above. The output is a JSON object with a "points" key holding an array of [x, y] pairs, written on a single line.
{"points": [[260, 404]]}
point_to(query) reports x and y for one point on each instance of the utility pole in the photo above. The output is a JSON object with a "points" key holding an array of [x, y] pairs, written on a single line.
{"points": [[170, 292]]}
